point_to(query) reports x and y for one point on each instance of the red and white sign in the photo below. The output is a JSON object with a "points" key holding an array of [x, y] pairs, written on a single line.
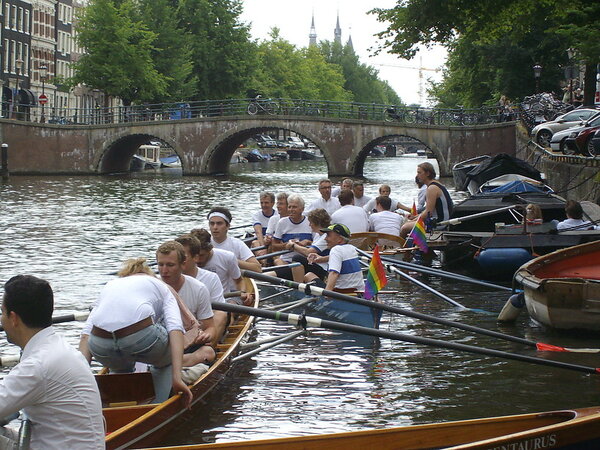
{"points": [[43, 99]]}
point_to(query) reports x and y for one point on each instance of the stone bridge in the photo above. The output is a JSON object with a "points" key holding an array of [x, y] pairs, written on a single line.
{"points": [[205, 145]]}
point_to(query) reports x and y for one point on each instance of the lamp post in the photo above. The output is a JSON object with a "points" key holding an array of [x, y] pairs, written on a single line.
{"points": [[18, 66], [43, 75], [537, 73], [571, 73]]}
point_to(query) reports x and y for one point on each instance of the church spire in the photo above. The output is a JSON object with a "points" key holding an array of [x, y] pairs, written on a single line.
{"points": [[337, 33], [312, 36], [349, 43]]}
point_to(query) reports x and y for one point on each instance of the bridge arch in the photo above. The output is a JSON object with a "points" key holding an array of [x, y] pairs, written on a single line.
{"points": [[218, 154], [117, 154]]}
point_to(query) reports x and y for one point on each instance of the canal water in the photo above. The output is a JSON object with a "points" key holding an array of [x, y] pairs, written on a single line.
{"points": [[75, 231]]}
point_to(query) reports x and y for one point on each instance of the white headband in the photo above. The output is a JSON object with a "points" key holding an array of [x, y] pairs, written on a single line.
{"points": [[218, 214]]}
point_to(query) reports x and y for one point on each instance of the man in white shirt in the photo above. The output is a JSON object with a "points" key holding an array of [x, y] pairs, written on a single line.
{"points": [[260, 219], [192, 247], [384, 220], [345, 274], [385, 191], [52, 383], [574, 220], [171, 257], [354, 217], [219, 220], [223, 263], [325, 201], [346, 185], [360, 199], [290, 231]]}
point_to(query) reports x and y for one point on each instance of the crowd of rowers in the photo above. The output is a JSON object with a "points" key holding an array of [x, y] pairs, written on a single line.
{"points": [[168, 323]]}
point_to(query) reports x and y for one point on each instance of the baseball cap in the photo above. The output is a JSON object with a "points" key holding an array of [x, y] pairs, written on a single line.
{"points": [[339, 228]]}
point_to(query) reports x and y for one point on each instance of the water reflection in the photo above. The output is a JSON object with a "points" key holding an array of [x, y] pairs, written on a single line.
{"points": [[75, 231]]}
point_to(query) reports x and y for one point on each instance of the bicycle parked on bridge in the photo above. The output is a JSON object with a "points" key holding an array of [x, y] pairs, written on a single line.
{"points": [[258, 105]]}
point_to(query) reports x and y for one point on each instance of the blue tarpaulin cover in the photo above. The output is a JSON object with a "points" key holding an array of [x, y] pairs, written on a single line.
{"points": [[514, 187]]}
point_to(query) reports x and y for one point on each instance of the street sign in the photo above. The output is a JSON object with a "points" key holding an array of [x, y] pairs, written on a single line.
{"points": [[43, 99]]}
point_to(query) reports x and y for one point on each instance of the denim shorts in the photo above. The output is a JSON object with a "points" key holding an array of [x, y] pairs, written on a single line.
{"points": [[150, 346]]}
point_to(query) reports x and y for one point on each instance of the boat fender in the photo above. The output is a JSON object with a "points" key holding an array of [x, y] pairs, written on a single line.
{"points": [[512, 308]]}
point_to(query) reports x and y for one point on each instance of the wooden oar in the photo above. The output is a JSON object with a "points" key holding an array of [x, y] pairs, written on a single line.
{"points": [[269, 255], [307, 321], [240, 226], [79, 316], [420, 284], [275, 268], [459, 220], [317, 291], [442, 273]]}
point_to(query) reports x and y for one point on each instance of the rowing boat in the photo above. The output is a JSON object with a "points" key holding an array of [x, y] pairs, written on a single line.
{"points": [[579, 428], [133, 421], [388, 243], [562, 289]]}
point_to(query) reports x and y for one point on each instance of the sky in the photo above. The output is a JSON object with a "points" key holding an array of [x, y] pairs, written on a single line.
{"points": [[293, 18]]}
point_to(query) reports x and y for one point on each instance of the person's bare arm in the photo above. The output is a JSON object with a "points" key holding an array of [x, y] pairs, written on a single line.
{"points": [[176, 345], [84, 348], [209, 330], [331, 280], [250, 264]]}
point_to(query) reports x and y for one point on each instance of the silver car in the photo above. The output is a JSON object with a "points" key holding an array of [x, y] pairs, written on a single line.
{"points": [[542, 133], [558, 141]]}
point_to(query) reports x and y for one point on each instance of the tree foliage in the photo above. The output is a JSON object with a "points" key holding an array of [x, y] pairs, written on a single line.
{"points": [[493, 45], [118, 58]]}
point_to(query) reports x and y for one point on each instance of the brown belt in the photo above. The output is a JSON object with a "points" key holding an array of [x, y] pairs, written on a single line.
{"points": [[122, 332]]}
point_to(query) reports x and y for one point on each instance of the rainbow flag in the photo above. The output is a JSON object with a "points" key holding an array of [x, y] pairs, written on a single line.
{"points": [[376, 279], [418, 235], [413, 210]]}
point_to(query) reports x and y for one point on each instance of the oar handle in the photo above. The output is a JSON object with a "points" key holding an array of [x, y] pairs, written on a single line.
{"points": [[269, 255], [275, 268], [458, 220], [240, 226], [306, 321], [255, 249], [79, 316]]}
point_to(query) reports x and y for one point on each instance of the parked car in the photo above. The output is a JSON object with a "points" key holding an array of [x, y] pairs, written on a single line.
{"points": [[295, 142], [283, 144], [264, 140], [583, 141], [559, 140], [596, 143], [542, 133]]}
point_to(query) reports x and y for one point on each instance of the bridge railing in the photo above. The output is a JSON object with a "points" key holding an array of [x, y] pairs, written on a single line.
{"points": [[256, 107]]}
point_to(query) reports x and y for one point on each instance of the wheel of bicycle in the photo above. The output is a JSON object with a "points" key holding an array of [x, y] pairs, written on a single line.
{"points": [[387, 116], [271, 108], [409, 117], [253, 109]]}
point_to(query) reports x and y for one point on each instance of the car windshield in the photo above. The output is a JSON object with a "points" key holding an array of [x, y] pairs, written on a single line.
{"points": [[579, 115]]}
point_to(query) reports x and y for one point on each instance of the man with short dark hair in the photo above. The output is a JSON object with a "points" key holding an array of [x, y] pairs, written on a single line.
{"points": [[52, 383], [354, 217], [219, 221], [325, 201], [384, 220]]}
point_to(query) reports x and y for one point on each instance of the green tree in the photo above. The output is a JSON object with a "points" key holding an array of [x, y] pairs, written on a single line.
{"points": [[544, 29], [118, 53], [362, 80], [222, 53], [172, 49]]}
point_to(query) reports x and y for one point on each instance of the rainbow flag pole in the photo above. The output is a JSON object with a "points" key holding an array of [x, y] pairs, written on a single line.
{"points": [[376, 279], [418, 235]]}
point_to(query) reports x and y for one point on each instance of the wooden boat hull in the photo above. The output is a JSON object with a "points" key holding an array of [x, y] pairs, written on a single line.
{"points": [[132, 426], [558, 429], [562, 289]]}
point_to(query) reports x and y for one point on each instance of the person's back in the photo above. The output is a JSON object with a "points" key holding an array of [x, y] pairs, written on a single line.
{"points": [[52, 383], [387, 222], [66, 410], [354, 217]]}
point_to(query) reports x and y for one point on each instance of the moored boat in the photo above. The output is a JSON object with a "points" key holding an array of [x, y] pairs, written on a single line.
{"points": [[562, 289], [578, 428], [460, 170], [133, 421]]}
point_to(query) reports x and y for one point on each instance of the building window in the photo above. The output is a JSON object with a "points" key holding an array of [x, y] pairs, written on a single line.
{"points": [[14, 17], [26, 59], [6, 54], [20, 20], [27, 21], [13, 48], [6, 15]]}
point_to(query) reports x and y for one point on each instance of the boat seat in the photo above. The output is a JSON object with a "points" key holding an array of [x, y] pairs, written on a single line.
{"points": [[125, 389]]}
